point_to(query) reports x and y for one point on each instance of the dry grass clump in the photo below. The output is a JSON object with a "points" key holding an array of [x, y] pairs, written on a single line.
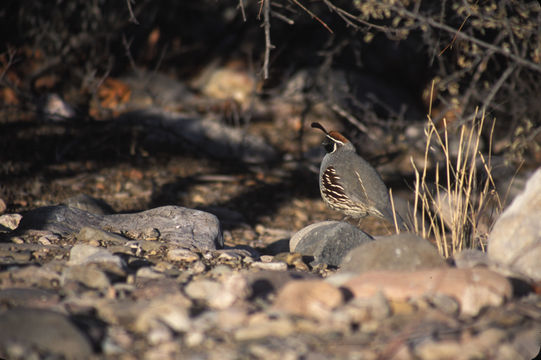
{"points": [[458, 208]]}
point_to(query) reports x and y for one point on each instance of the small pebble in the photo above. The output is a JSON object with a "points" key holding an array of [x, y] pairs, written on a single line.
{"points": [[17, 240], [198, 267], [44, 241], [183, 255], [266, 258], [10, 221], [148, 273], [275, 266]]}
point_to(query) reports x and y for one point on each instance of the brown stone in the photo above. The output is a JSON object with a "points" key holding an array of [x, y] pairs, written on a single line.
{"points": [[473, 288], [311, 298]]}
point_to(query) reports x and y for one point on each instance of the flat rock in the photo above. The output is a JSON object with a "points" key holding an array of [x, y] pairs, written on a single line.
{"points": [[310, 298], [263, 330], [404, 251], [90, 276], [273, 265], [28, 297], [83, 254], [218, 295], [93, 235], [175, 225], [170, 310], [328, 241], [473, 288], [41, 276], [149, 289], [41, 330], [180, 254], [59, 219], [144, 315], [515, 240]]}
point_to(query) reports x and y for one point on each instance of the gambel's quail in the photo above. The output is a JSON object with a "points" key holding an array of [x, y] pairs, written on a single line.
{"points": [[349, 184]]}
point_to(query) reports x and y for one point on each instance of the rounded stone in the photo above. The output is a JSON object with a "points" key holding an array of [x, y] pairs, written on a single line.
{"points": [[328, 241], [397, 252], [48, 331]]}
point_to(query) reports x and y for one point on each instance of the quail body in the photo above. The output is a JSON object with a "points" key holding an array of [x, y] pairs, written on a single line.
{"points": [[349, 184]]}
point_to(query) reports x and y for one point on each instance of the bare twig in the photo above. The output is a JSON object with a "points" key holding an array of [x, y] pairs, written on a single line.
{"points": [[480, 68], [349, 19], [454, 37], [130, 9], [127, 45], [438, 25], [498, 85], [11, 57], [314, 16], [261, 4], [393, 211], [352, 119], [282, 17], [242, 11], [97, 84], [523, 62], [268, 45]]}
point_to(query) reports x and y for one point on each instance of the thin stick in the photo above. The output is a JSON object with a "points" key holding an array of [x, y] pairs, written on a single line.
{"points": [[349, 18], [497, 86], [314, 16], [130, 9], [461, 35], [423, 178], [454, 37], [283, 18], [417, 195], [242, 11], [11, 56], [268, 45], [431, 98], [127, 45], [395, 221]]}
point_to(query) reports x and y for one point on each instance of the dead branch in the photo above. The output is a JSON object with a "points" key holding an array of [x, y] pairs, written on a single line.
{"points": [[130, 9], [314, 16], [517, 59], [498, 85], [349, 18], [242, 11], [268, 45], [127, 45], [11, 57]]}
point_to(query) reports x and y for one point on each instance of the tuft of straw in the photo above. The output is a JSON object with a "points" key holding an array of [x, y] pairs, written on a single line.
{"points": [[450, 210]]}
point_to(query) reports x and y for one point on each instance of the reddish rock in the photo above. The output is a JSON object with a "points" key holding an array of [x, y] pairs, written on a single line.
{"points": [[310, 298], [473, 288]]}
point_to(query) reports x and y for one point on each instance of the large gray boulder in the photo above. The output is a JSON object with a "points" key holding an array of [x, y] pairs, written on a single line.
{"points": [[515, 240], [175, 225], [405, 252]]}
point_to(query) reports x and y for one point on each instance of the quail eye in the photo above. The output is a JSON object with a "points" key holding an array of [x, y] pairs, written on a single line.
{"points": [[329, 145]]}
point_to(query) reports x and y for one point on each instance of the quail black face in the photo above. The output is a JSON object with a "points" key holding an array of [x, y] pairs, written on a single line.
{"points": [[329, 145], [333, 139]]}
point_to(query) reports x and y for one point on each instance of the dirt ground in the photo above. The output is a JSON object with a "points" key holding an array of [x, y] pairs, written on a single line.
{"points": [[45, 163]]}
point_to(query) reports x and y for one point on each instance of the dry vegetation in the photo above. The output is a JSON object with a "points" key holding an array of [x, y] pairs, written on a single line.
{"points": [[458, 209]]}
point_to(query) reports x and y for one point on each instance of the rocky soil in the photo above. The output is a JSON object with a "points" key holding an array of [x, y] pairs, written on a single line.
{"points": [[161, 232]]}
